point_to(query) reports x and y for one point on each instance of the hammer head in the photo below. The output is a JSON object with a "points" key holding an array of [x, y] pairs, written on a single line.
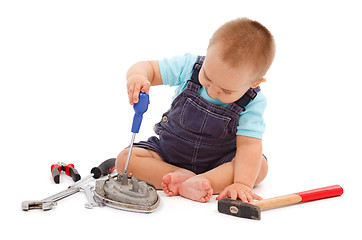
{"points": [[238, 208]]}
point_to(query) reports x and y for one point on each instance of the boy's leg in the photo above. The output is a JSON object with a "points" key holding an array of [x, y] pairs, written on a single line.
{"points": [[223, 175], [149, 166], [146, 165], [198, 187]]}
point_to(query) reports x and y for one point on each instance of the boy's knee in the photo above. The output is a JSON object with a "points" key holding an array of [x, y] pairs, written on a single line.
{"points": [[121, 160], [263, 170]]}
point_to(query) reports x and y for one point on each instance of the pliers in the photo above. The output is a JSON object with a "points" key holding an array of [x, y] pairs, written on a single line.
{"points": [[67, 168]]}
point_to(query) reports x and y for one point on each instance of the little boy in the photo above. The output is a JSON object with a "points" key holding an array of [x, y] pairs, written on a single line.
{"points": [[210, 141]]}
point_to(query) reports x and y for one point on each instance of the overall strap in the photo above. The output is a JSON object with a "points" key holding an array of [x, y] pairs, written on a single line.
{"points": [[242, 102], [196, 69], [247, 97]]}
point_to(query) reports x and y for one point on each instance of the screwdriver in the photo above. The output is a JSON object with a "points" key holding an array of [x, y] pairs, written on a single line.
{"points": [[140, 108], [104, 168]]}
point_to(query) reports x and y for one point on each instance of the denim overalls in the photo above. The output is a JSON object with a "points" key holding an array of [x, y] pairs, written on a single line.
{"points": [[196, 134]]}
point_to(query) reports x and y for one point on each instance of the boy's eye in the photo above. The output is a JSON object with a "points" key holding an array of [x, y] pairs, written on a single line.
{"points": [[227, 91], [207, 79]]}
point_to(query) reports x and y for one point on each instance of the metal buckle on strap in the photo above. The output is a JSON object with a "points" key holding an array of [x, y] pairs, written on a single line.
{"points": [[199, 62], [253, 92]]}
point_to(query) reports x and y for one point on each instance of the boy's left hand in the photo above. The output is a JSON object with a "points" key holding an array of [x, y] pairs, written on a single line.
{"points": [[239, 190]]}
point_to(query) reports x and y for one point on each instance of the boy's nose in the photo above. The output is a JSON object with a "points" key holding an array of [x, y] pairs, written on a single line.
{"points": [[212, 91]]}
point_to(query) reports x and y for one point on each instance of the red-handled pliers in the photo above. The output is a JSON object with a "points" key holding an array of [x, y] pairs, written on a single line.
{"points": [[68, 168]]}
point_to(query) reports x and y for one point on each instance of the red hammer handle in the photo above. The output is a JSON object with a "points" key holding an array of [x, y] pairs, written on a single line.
{"points": [[315, 194], [319, 193]]}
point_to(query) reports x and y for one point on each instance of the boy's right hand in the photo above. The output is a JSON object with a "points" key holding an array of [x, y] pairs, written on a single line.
{"points": [[135, 84]]}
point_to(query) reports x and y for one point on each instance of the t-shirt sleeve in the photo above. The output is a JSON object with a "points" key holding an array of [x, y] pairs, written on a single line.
{"points": [[174, 71], [251, 121]]}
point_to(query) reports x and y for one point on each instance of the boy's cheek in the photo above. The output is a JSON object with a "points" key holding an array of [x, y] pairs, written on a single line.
{"points": [[201, 80]]}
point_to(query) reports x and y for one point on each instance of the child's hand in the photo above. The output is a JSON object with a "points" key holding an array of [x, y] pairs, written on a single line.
{"points": [[135, 84], [239, 190]]}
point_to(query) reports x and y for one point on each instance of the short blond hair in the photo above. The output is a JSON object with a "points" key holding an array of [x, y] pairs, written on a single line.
{"points": [[244, 41]]}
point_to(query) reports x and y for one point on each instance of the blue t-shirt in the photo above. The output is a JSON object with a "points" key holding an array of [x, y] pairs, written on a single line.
{"points": [[177, 71]]}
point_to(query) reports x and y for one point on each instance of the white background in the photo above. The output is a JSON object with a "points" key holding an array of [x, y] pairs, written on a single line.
{"points": [[63, 98]]}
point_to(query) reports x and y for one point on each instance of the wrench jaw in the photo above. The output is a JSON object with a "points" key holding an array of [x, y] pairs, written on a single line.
{"points": [[44, 205], [91, 201]]}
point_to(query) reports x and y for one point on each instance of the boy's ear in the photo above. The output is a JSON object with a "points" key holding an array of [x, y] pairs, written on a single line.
{"points": [[258, 83]]}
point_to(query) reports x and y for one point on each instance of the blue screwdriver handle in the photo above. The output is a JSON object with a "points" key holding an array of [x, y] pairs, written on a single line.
{"points": [[140, 108]]}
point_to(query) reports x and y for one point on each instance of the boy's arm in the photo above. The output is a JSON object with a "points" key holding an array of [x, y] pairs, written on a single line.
{"points": [[247, 160], [140, 77], [247, 165]]}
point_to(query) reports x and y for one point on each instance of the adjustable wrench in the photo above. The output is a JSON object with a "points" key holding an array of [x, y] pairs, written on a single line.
{"points": [[49, 202]]}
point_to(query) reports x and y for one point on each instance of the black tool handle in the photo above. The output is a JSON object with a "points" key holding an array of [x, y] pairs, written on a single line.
{"points": [[55, 168], [104, 168], [74, 174]]}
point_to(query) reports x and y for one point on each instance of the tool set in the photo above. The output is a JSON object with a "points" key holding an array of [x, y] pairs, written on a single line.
{"points": [[121, 191]]}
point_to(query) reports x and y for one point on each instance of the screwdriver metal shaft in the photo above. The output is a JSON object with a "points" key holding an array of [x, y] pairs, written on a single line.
{"points": [[129, 153]]}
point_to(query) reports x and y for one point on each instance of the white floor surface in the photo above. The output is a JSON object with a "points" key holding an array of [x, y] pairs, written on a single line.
{"points": [[63, 98]]}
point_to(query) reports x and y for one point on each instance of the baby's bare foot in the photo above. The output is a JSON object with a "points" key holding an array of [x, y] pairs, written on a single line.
{"points": [[171, 182], [196, 188]]}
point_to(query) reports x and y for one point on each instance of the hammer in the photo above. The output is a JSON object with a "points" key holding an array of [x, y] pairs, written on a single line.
{"points": [[252, 210]]}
